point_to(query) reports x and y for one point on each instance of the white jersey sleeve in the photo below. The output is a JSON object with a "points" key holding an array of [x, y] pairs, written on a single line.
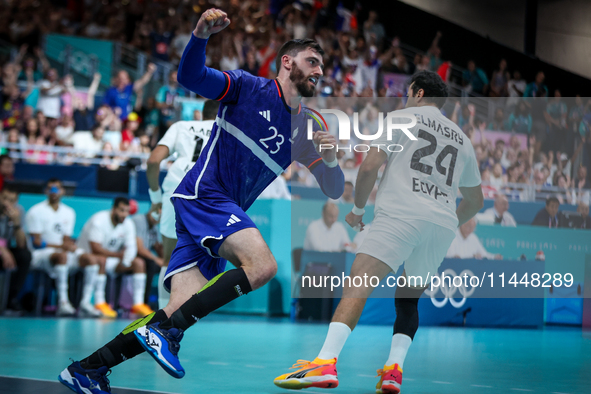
{"points": [[130, 242], [69, 229], [95, 231], [471, 174], [170, 137], [33, 221]]}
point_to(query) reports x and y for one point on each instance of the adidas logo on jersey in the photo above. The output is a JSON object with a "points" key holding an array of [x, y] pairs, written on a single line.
{"points": [[233, 220], [266, 114]]}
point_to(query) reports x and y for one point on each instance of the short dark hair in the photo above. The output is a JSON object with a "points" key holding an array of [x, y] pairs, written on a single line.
{"points": [[53, 180], [5, 157], [9, 187], [434, 87], [552, 199], [293, 47], [120, 200], [210, 109], [348, 183]]}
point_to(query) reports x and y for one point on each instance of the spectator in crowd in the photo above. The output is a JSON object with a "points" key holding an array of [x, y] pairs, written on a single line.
{"points": [[499, 81], [13, 104], [348, 196], [166, 99], [251, 65], [107, 119], [83, 114], [180, 41], [14, 253], [149, 253], [278, 189], [515, 88], [537, 88], [327, 234], [64, 130], [498, 214], [580, 181], [556, 115], [520, 120], [497, 179], [466, 244], [374, 30], [498, 123], [130, 128], [119, 97], [50, 224], [6, 170], [474, 79], [91, 146], [434, 53], [549, 215], [583, 210], [160, 40], [111, 238], [50, 91]]}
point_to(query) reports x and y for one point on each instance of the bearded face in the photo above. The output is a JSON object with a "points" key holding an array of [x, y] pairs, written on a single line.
{"points": [[305, 84]]}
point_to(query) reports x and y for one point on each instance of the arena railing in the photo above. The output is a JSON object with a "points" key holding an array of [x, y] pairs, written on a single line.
{"points": [[67, 155]]}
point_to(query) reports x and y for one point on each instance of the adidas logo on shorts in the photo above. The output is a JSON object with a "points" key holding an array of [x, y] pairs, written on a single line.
{"points": [[233, 220]]}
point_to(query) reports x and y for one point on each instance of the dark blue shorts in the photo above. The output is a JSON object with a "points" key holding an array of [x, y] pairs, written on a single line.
{"points": [[202, 225]]}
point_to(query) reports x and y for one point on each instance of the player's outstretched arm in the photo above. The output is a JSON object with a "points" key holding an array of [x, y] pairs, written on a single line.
{"points": [[192, 73], [159, 153], [366, 179], [472, 202]]}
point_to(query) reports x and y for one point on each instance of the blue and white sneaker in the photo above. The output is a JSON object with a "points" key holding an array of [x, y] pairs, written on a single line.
{"points": [[85, 381], [164, 346]]}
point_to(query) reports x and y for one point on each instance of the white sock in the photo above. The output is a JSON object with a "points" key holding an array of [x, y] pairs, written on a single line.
{"points": [[400, 345], [99, 292], [90, 274], [139, 288], [163, 295], [61, 282], [335, 340]]}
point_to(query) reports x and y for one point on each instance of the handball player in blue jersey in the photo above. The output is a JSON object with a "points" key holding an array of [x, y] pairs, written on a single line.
{"points": [[256, 136]]}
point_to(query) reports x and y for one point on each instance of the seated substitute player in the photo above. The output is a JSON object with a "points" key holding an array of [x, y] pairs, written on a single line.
{"points": [[50, 224], [415, 222], [186, 139], [111, 239], [245, 153], [149, 250]]}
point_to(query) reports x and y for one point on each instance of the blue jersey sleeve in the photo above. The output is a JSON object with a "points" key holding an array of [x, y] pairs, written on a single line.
{"points": [[195, 76], [227, 87], [330, 179]]}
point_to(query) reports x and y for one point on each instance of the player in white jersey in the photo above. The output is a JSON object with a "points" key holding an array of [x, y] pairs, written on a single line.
{"points": [[415, 222], [110, 237], [51, 224], [185, 139]]}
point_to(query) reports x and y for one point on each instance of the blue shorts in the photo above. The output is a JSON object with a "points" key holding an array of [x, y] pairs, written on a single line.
{"points": [[202, 225]]}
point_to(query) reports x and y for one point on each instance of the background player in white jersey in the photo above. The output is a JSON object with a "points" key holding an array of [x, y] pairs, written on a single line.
{"points": [[415, 222], [50, 223], [186, 139], [111, 238]]}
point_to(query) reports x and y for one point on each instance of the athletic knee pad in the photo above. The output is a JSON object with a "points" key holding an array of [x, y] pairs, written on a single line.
{"points": [[407, 313]]}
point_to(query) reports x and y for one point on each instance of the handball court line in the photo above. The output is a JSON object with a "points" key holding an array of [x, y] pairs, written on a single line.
{"points": [[13, 385]]}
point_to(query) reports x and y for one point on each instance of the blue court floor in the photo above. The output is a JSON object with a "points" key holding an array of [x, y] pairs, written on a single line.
{"points": [[244, 354]]}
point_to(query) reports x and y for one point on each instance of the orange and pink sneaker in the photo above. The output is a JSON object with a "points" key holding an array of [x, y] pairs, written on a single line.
{"points": [[318, 373], [390, 379]]}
